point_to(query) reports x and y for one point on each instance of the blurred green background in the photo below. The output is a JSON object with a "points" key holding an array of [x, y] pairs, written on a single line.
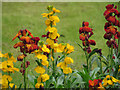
{"points": [[19, 15]]}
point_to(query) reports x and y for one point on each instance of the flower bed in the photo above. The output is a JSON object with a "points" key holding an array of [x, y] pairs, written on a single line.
{"points": [[53, 63]]}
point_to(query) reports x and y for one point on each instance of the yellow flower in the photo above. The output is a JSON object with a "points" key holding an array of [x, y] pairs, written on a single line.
{"points": [[62, 65], [45, 77], [69, 48], [60, 48], [54, 18], [67, 70], [42, 78], [55, 10], [37, 85], [52, 58], [48, 27], [7, 77], [100, 87], [7, 66], [1, 55], [39, 56], [39, 69], [52, 29], [4, 82], [45, 14], [50, 41], [6, 55], [11, 59], [53, 35], [68, 60], [12, 84], [47, 22], [110, 82], [45, 63], [108, 76], [44, 57], [114, 79], [45, 49]]}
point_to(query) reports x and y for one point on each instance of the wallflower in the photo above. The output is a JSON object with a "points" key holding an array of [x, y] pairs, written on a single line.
{"points": [[5, 79], [109, 80], [42, 78], [12, 84], [1, 55], [62, 65], [69, 48], [45, 49], [68, 60], [67, 70], [38, 85], [7, 66], [45, 63], [50, 41], [56, 10], [40, 69], [96, 84]]}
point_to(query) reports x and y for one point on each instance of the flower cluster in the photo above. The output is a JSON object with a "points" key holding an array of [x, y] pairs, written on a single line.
{"points": [[85, 33], [52, 36], [111, 31], [51, 20], [96, 84], [110, 80], [8, 66], [41, 54], [63, 65], [27, 45]]}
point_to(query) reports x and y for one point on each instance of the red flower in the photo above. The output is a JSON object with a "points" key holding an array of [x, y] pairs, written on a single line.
{"points": [[83, 37], [20, 57], [19, 44], [92, 42], [93, 83], [108, 36]]}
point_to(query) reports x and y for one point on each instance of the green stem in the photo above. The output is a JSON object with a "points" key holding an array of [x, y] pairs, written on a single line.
{"points": [[100, 65], [86, 58], [53, 63], [111, 59], [24, 75], [49, 64]]}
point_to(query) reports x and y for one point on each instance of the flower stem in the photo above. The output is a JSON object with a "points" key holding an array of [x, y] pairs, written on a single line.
{"points": [[53, 63], [24, 75], [111, 59], [87, 59]]}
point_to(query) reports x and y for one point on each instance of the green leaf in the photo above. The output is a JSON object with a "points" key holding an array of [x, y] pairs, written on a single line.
{"points": [[60, 80], [93, 72], [92, 61], [79, 45], [31, 79], [20, 86], [93, 52], [105, 62], [38, 62]]}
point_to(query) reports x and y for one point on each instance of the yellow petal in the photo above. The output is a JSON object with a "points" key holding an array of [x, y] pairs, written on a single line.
{"points": [[68, 60], [39, 69], [37, 85]]}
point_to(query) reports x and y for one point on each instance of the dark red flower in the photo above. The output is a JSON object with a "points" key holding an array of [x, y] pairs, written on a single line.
{"points": [[20, 57], [93, 83], [92, 42]]}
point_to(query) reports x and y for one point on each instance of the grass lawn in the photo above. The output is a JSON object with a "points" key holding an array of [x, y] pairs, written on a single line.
{"points": [[16, 16]]}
